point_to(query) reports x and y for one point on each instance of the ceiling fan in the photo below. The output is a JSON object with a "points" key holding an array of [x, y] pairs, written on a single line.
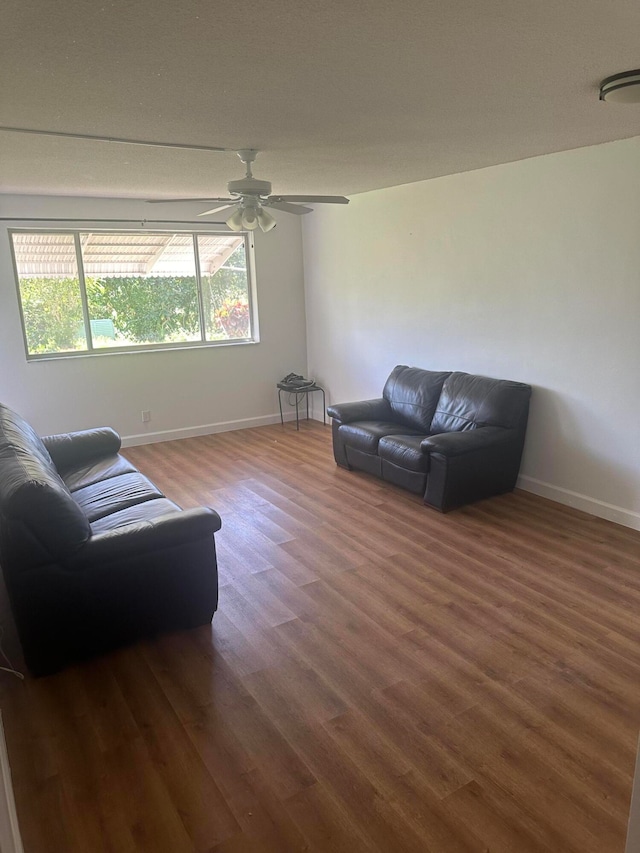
{"points": [[251, 196]]}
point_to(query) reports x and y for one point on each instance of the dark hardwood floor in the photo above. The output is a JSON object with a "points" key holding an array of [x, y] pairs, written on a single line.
{"points": [[379, 677]]}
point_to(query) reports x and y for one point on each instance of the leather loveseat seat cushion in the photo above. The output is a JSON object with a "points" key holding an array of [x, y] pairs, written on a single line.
{"points": [[147, 511], [115, 494], [404, 451], [365, 435]]}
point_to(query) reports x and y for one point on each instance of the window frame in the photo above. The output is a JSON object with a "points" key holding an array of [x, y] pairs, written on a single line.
{"points": [[113, 227]]}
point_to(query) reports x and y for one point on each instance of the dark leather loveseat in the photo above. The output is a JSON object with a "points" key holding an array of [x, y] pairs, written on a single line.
{"points": [[452, 437], [92, 553]]}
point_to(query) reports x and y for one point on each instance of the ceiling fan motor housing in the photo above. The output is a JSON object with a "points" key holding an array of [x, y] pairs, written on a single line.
{"points": [[250, 187]]}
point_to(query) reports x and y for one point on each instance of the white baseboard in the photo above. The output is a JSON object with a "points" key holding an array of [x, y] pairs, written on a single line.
{"points": [[10, 840], [610, 512], [203, 429]]}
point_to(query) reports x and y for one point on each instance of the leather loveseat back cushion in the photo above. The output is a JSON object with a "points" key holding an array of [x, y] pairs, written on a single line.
{"points": [[469, 401], [413, 394], [33, 493], [19, 436]]}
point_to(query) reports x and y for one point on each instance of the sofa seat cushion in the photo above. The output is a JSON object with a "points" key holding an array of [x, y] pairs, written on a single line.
{"points": [[365, 435], [148, 511], [95, 472], [115, 494], [404, 451]]}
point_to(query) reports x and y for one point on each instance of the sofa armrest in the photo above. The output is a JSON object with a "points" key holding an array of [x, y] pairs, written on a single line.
{"points": [[73, 449], [468, 441], [175, 528], [471, 465], [364, 410]]}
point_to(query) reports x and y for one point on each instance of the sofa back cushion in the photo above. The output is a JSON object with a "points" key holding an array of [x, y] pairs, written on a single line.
{"points": [[469, 401], [33, 496], [413, 394], [18, 435]]}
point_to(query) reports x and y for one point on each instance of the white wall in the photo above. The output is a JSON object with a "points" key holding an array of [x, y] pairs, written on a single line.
{"points": [[187, 391], [527, 271]]}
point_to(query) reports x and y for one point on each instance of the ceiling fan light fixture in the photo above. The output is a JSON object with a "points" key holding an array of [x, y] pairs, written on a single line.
{"points": [[621, 88], [250, 218], [265, 220], [235, 220]]}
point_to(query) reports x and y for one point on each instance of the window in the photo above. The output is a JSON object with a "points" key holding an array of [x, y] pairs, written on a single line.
{"points": [[99, 291]]}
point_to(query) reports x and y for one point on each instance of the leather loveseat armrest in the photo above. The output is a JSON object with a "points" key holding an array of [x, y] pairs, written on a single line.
{"points": [[364, 410], [73, 449], [175, 528], [471, 465], [467, 441]]}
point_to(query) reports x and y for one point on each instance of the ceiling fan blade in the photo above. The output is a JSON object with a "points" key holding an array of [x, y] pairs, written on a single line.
{"points": [[217, 209], [313, 199], [113, 139], [166, 200], [298, 209]]}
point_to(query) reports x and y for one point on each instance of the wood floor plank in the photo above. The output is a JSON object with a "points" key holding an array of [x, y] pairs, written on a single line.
{"points": [[360, 687], [267, 826], [379, 677], [193, 791], [490, 813], [326, 822]]}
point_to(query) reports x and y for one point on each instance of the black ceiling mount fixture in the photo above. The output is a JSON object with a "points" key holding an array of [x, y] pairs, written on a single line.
{"points": [[621, 88]]}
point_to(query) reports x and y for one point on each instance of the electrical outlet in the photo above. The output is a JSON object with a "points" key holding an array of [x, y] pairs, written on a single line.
{"points": [[146, 416]]}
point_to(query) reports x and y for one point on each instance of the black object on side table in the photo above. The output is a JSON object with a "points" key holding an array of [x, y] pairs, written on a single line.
{"points": [[299, 392]]}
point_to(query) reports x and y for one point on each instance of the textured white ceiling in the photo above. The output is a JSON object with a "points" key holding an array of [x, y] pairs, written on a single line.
{"points": [[339, 96]]}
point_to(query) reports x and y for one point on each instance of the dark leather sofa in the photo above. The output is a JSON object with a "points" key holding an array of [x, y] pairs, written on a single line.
{"points": [[93, 554], [452, 437]]}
